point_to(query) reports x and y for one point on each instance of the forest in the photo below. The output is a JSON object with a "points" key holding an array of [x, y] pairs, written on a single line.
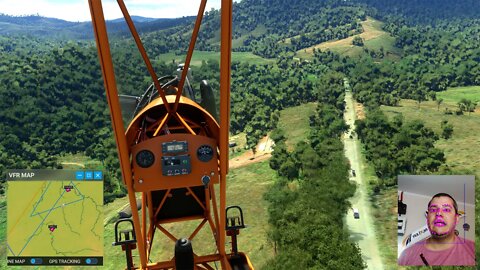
{"points": [[53, 101]]}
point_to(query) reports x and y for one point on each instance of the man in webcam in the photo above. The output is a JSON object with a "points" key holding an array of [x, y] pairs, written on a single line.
{"points": [[444, 247]]}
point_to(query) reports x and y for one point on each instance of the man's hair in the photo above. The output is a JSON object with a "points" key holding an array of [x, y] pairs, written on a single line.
{"points": [[445, 195]]}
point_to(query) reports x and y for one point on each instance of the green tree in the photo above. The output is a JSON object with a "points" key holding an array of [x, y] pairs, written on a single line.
{"points": [[358, 41], [471, 107], [439, 101], [447, 129], [466, 105], [288, 169]]}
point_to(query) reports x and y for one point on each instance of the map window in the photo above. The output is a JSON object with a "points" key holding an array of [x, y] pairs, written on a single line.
{"points": [[54, 217]]}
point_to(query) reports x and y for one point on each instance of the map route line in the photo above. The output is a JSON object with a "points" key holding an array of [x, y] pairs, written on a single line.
{"points": [[18, 220], [40, 199], [53, 215], [41, 223], [96, 221], [49, 210], [65, 204], [77, 189], [11, 250], [53, 208]]}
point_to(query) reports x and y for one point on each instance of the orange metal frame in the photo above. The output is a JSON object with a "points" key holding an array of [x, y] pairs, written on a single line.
{"points": [[217, 222]]}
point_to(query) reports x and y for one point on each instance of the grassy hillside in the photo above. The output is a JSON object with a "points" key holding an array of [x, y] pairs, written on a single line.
{"points": [[374, 39], [258, 31], [241, 141]]}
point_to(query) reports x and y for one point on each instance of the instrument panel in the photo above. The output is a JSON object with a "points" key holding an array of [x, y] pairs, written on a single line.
{"points": [[174, 161]]}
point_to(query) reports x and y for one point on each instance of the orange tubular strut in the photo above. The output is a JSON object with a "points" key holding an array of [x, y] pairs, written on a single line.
{"points": [[160, 90], [187, 127], [190, 52], [225, 61], [106, 64], [140, 47]]}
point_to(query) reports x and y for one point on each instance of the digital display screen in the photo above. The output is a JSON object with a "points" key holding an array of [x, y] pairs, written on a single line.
{"points": [[175, 147], [171, 162], [177, 165]]}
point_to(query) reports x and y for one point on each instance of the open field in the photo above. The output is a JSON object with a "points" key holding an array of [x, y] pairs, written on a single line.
{"points": [[246, 188], [458, 149], [374, 38], [199, 56], [457, 93], [79, 161], [295, 123]]}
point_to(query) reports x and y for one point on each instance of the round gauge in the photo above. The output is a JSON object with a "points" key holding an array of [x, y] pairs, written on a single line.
{"points": [[145, 158], [205, 153]]}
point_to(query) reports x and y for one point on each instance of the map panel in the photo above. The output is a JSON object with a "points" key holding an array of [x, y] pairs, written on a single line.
{"points": [[54, 219]]}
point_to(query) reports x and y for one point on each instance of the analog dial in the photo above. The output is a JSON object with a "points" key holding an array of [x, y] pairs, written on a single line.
{"points": [[205, 153], [145, 158]]}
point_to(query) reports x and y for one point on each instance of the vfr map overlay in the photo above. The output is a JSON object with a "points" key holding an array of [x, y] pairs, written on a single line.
{"points": [[55, 218]]}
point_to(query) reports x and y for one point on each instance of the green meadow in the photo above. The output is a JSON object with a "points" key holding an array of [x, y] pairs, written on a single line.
{"points": [[295, 123], [457, 93], [199, 56]]}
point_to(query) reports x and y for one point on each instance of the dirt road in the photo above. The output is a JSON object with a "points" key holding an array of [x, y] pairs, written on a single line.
{"points": [[263, 152], [81, 165], [361, 230]]}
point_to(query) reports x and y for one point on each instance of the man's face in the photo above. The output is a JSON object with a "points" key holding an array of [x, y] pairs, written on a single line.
{"points": [[441, 217]]}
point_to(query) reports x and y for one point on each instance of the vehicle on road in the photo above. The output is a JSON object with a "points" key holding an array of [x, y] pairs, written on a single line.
{"points": [[356, 214]]}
